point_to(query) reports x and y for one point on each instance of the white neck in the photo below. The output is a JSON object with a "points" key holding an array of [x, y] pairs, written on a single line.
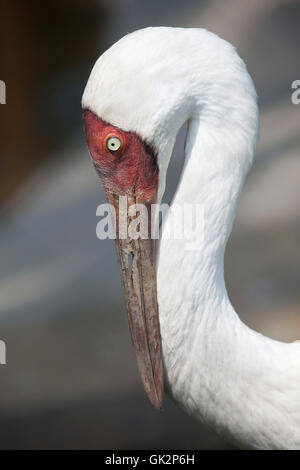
{"points": [[241, 383]]}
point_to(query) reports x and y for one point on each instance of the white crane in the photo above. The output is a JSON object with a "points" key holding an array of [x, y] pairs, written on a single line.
{"points": [[140, 92]]}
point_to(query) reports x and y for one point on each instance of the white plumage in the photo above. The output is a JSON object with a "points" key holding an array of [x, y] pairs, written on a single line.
{"points": [[239, 382]]}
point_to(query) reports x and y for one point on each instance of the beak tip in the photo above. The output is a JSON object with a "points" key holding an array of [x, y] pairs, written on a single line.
{"points": [[153, 385], [156, 402]]}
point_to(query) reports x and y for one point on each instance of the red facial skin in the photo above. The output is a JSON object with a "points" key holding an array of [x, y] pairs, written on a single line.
{"points": [[132, 170]]}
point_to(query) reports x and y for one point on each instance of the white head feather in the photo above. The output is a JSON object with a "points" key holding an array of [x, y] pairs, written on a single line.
{"points": [[153, 80]]}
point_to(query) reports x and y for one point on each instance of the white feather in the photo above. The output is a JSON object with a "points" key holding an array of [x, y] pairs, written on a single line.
{"points": [[150, 82]]}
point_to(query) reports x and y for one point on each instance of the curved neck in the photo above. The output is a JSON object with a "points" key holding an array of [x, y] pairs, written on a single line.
{"points": [[216, 367]]}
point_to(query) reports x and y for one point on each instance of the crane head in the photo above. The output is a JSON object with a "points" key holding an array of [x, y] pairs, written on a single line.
{"points": [[134, 103], [131, 131], [128, 167]]}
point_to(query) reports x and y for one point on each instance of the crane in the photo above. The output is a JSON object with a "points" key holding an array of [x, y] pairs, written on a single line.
{"points": [[185, 331]]}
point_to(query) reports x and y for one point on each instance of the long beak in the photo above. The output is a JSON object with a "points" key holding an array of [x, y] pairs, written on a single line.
{"points": [[137, 267]]}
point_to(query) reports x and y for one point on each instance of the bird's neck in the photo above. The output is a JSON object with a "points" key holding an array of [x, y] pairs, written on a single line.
{"points": [[216, 367]]}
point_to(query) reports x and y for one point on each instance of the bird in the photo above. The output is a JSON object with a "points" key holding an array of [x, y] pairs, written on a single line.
{"points": [[186, 333]]}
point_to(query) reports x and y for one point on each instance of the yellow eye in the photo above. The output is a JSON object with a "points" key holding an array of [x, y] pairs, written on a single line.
{"points": [[113, 144]]}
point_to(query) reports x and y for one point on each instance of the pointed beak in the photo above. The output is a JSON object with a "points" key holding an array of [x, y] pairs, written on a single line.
{"points": [[137, 267]]}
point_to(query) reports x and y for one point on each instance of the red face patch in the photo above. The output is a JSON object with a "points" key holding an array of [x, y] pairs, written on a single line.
{"points": [[126, 164]]}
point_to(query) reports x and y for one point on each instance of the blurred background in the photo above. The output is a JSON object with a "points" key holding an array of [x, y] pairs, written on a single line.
{"points": [[71, 379]]}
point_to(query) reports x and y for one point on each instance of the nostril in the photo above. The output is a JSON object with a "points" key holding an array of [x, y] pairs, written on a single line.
{"points": [[130, 261]]}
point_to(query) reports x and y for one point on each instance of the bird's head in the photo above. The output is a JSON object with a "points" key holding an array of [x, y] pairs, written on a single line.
{"points": [[123, 117], [128, 167]]}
